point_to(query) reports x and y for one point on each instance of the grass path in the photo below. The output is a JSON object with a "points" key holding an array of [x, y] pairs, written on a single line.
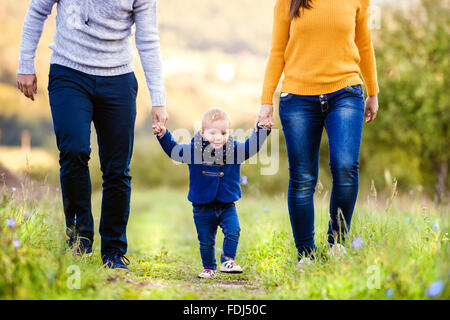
{"points": [[404, 251]]}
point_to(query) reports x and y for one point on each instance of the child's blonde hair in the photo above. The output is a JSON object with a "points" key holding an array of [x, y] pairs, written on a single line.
{"points": [[215, 114]]}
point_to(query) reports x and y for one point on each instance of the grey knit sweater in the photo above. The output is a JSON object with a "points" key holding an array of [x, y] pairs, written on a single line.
{"points": [[95, 37]]}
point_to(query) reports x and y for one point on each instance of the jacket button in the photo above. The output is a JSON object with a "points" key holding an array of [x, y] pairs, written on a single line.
{"points": [[222, 164], [221, 174], [203, 162], [203, 172]]}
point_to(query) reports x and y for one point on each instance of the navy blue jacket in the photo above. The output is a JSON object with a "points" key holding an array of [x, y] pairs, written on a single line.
{"points": [[214, 174]]}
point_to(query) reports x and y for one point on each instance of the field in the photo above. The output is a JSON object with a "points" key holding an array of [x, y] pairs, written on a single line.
{"points": [[397, 249]]}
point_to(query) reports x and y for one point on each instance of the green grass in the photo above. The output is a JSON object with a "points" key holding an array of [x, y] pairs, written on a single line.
{"points": [[399, 244]]}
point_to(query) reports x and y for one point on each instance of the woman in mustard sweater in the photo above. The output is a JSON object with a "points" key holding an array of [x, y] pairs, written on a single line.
{"points": [[321, 46]]}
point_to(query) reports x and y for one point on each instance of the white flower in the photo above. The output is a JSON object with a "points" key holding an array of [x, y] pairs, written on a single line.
{"points": [[16, 243]]}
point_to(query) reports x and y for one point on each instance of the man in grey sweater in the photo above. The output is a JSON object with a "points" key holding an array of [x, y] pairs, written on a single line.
{"points": [[91, 80]]}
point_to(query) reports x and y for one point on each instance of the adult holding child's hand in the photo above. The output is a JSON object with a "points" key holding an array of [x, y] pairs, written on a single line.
{"points": [[159, 116], [265, 117], [321, 47], [91, 80]]}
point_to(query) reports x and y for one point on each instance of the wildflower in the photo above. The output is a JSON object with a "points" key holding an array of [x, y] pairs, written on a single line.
{"points": [[219, 249], [11, 223], [435, 289], [435, 227], [264, 208], [57, 189], [389, 293], [16, 243], [408, 219], [357, 243], [14, 189], [244, 180], [411, 192], [255, 217], [28, 215]]}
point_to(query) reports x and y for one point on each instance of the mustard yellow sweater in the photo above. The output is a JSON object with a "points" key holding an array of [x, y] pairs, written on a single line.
{"points": [[322, 51]]}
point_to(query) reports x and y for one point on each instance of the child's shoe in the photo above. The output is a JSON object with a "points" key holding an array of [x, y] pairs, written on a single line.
{"points": [[304, 262], [337, 251], [207, 274], [230, 267]]}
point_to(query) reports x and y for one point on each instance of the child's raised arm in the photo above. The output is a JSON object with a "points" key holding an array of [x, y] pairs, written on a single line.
{"points": [[247, 149], [176, 151]]}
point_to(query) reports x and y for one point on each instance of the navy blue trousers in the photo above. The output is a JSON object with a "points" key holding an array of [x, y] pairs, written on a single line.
{"points": [[77, 99], [207, 218]]}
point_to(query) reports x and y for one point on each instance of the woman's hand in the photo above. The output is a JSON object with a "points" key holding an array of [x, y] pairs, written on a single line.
{"points": [[264, 118], [371, 108], [27, 84]]}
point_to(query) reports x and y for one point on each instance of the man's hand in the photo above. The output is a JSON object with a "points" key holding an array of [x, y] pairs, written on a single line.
{"points": [[371, 108], [264, 118], [160, 116], [27, 84], [159, 131]]}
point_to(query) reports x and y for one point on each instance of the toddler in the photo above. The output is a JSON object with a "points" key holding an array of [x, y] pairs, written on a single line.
{"points": [[214, 160]]}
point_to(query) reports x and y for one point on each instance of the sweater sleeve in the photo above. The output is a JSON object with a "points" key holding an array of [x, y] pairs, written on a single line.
{"points": [[148, 45], [251, 146], [176, 151], [37, 13], [363, 41], [280, 38]]}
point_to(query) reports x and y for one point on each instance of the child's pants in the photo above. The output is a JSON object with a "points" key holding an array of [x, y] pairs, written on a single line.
{"points": [[207, 218]]}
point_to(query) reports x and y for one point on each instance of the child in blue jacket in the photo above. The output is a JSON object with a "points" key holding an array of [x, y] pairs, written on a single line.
{"points": [[214, 159]]}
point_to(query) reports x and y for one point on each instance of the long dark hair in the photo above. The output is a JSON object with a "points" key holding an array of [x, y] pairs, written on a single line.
{"points": [[296, 5]]}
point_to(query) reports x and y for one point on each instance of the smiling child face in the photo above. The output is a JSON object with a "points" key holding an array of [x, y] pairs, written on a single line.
{"points": [[216, 132]]}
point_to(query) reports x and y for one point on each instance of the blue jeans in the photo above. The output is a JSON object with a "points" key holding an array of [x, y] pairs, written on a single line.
{"points": [[207, 218], [303, 119], [77, 99]]}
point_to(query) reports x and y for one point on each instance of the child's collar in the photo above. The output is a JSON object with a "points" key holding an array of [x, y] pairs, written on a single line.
{"points": [[201, 145]]}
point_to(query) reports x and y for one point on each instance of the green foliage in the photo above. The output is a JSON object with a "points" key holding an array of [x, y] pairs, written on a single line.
{"points": [[406, 245], [413, 66]]}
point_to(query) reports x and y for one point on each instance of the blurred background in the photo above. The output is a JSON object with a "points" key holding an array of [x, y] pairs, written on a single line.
{"points": [[214, 54]]}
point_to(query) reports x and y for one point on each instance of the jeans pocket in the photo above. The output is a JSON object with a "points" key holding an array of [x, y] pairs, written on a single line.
{"points": [[284, 96], [356, 89]]}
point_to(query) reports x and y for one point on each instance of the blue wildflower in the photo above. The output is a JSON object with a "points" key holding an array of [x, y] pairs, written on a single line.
{"points": [[389, 293], [264, 208], [435, 227], [11, 223], [408, 219], [435, 289], [255, 217], [357, 242], [244, 180]]}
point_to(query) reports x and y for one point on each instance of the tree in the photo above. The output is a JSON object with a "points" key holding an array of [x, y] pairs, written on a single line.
{"points": [[413, 64]]}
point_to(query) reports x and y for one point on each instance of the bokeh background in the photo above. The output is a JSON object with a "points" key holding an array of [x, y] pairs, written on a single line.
{"points": [[214, 54]]}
